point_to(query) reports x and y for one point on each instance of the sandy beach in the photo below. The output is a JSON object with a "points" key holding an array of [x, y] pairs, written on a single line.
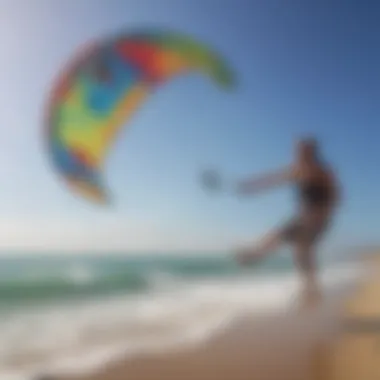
{"points": [[229, 327], [309, 344], [289, 346]]}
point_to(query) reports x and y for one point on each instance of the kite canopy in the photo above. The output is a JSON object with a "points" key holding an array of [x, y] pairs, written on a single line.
{"points": [[101, 88]]}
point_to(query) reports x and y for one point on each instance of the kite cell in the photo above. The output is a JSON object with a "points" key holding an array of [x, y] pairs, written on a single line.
{"points": [[102, 87]]}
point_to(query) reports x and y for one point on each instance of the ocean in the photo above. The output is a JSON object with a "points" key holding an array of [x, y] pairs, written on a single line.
{"points": [[69, 313]]}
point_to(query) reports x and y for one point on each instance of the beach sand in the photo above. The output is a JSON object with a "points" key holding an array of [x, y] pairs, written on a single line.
{"points": [[264, 348], [306, 344]]}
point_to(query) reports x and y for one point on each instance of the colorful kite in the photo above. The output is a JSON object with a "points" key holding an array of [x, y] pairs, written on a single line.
{"points": [[101, 89]]}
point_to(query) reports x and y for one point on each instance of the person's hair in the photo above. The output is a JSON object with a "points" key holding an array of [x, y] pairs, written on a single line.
{"points": [[311, 144]]}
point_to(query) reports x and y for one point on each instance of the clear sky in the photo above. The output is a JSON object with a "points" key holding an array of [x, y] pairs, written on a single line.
{"points": [[304, 67]]}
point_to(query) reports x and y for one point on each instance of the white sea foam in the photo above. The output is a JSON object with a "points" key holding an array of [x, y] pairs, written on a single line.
{"points": [[79, 337]]}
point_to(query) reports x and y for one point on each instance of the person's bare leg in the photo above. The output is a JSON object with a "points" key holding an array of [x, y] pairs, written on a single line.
{"points": [[305, 260], [260, 250]]}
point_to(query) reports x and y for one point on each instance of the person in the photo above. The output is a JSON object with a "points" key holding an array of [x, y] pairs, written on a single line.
{"points": [[317, 199]]}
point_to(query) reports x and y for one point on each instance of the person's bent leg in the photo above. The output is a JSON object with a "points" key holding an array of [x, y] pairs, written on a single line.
{"points": [[259, 251], [270, 243]]}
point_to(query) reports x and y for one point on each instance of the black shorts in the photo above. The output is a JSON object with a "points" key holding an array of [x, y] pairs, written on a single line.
{"points": [[298, 231]]}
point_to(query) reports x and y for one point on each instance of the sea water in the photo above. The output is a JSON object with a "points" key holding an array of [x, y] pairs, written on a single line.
{"points": [[65, 313]]}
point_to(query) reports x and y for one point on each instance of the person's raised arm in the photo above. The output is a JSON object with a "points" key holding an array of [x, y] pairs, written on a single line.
{"points": [[266, 181]]}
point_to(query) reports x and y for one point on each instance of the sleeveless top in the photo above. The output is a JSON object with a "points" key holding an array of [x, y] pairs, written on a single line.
{"points": [[314, 194]]}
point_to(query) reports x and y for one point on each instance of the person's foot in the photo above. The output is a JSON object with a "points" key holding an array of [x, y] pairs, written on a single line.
{"points": [[245, 256]]}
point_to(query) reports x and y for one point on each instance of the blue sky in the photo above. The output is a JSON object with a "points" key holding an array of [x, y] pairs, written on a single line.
{"points": [[303, 67]]}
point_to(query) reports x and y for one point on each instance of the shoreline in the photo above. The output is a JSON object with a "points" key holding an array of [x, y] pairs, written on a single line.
{"points": [[210, 328], [246, 350]]}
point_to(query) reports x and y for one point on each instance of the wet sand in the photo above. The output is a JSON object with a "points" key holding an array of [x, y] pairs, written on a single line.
{"points": [[268, 347], [308, 344]]}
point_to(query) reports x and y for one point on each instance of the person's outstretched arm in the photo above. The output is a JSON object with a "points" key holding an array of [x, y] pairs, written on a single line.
{"points": [[266, 181]]}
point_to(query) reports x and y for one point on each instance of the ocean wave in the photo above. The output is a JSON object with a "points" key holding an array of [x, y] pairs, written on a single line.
{"points": [[73, 285], [81, 335], [57, 280]]}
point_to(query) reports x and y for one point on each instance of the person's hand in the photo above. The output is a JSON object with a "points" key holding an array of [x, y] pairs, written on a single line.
{"points": [[211, 180]]}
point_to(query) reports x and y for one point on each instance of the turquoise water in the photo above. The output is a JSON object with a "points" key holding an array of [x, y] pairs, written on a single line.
{"points": [[44, 278]]}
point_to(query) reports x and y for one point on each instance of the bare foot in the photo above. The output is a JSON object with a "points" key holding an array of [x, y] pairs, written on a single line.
{"points": [[246, 256]]}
